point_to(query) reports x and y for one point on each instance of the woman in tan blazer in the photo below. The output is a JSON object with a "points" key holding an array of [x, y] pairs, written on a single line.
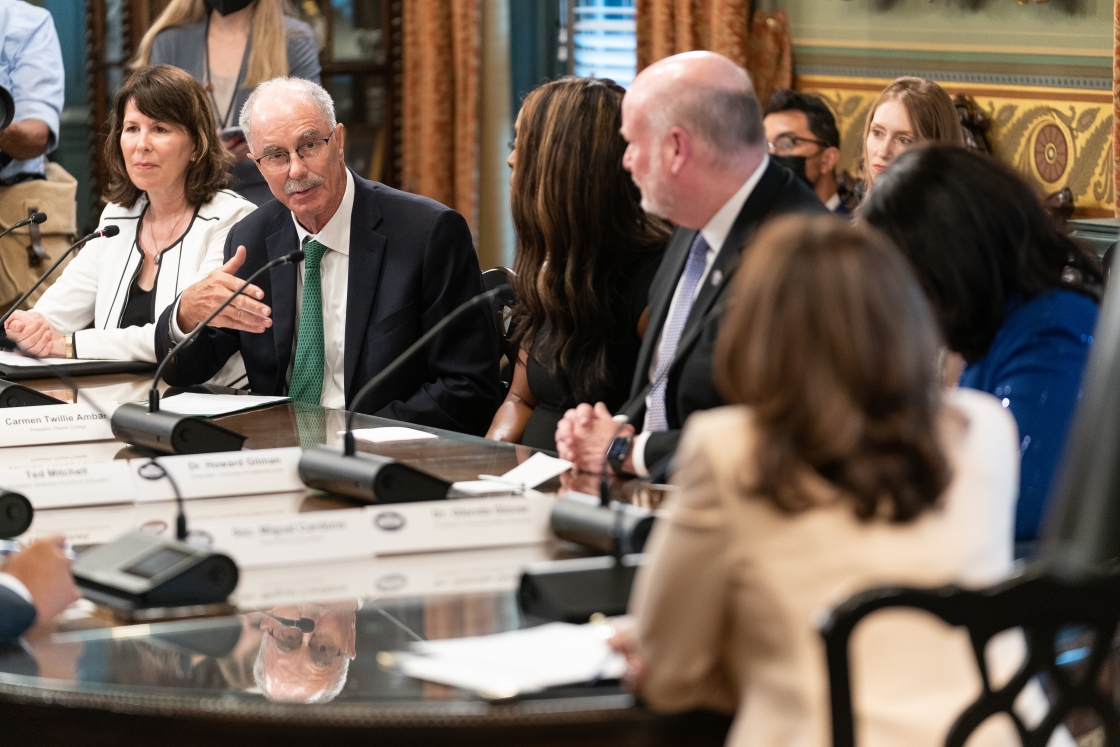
{"points": [[841, 466]]}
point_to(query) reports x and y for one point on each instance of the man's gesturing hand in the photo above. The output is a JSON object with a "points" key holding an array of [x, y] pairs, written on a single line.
{"points": [[246, 313]]}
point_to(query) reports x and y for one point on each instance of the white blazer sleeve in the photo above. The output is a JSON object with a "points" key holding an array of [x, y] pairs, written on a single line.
{"points": [[70, 302]]}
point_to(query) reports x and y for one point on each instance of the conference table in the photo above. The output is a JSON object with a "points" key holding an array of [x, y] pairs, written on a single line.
{"points": [[97, 678]]}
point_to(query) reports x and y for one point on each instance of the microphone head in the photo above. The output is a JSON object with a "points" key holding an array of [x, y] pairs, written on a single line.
{"points": [[39, 218], [108, 231], [295, 257]]}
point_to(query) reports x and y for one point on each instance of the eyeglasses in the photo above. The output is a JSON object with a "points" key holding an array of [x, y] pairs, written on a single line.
{"points": [[289, 637], [312, 150], [785, 144]]}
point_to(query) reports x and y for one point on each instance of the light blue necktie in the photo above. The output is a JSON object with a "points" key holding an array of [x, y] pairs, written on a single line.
{"points": [[656, 418]]}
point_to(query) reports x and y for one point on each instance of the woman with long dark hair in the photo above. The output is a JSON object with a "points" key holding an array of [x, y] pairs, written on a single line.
{"points": [[586, 254], [1014, 295], [839, 465]]}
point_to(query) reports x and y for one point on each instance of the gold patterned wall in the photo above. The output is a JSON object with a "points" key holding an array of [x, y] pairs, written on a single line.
{"points": [[1056, 137]]}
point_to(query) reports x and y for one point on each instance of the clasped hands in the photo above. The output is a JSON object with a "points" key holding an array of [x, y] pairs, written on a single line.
{"points": [[246, 313], [34, 335], [585, 433]]}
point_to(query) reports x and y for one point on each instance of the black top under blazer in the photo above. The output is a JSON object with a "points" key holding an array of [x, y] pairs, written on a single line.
{"points": [[412, 261], [690, 386], [16, 615]]}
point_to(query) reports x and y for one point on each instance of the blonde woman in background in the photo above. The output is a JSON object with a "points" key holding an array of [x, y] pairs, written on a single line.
{"points": [[231, 47], [908, 111]]}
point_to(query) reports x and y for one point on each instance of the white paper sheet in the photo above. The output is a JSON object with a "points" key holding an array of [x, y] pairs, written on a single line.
{"points": [[520, 661], [533, 471], [209, 405], [15, 359], [388, 434]]}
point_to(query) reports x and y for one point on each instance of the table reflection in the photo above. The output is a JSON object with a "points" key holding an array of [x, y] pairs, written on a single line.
{"points": [[305, 652]]}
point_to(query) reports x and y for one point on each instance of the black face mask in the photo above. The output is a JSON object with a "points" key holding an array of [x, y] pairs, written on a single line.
{"points": [[225, 7], [796, 164]]}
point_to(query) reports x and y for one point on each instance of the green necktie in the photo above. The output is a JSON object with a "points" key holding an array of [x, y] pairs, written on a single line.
{"points": [[307, 373]]}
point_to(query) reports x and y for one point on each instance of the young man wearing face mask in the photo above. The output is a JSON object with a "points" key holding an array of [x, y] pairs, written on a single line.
{"points": [[231, 47], [803, 137]]}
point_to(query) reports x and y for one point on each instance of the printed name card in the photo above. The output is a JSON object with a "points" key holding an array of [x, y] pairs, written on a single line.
{"points": [[61, 485], [54, 424], [459, 524], [220, 474], [303, 538]]}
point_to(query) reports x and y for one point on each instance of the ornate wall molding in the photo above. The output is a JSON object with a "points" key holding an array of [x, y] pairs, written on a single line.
{"points": [[1055, 137]]}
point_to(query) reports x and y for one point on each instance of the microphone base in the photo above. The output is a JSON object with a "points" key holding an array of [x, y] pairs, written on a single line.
{"points": [[169, 433], [368, 478], [15, 514], [574, 590], [593, 525], [17, 395]]}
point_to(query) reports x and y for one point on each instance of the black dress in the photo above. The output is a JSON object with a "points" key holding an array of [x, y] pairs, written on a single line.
{"points": [[628, 300]]}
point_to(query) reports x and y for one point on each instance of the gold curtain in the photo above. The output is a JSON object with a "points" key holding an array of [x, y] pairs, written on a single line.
{"points": [[440, 102], [762, 46], [1116, 105]]}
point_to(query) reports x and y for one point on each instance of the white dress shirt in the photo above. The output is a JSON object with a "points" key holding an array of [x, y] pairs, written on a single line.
{"points": [[833, 202], [334, 272], [715, 233]]}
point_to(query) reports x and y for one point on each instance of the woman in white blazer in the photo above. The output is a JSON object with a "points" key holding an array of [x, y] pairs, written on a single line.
{"points": [[840, 466], [167, 179]]}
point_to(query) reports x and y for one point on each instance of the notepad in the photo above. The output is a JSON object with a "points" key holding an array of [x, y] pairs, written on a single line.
{"points": [[210, 405], [506, 665]]}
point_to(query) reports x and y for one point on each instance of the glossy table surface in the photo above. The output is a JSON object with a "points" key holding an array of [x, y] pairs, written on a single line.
{"points": [[235, 679]]}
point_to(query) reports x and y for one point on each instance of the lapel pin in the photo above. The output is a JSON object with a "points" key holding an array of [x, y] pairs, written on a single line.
{"points": [[717, 278]]}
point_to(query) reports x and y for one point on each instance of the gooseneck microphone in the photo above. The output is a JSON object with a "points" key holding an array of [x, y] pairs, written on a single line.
{"points": [[169, 433], [37, 219], [106, 232], [370, 477], [153, 396], [504, 292], [17, 395]]}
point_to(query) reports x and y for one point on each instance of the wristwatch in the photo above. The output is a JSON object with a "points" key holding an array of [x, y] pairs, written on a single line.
{"points": [[69, 346], [618, 451]]}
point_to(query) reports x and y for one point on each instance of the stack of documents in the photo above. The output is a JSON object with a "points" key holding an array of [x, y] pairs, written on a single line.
{"points": [[515, 663]]}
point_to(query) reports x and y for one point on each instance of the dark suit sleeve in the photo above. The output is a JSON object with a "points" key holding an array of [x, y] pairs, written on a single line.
{"points": [[462, 391], [16, 615], [200, 361]]}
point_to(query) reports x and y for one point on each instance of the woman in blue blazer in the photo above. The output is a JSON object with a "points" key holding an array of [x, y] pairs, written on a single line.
{"points": [[1014, 295]]}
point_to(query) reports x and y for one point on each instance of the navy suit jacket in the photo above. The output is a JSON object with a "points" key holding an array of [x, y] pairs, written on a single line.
{"points": [[412, 261], [16, 615], [690, 386]]}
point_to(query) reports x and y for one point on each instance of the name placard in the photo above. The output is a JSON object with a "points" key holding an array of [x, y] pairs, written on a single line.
{"points": [[54, 424], [463, 523], [220, 474], [464, 572], [62, 485], [303, 538]]}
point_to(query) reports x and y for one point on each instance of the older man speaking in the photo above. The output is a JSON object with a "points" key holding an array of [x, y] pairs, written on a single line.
{"points": [[697, 151], [382, 267]]}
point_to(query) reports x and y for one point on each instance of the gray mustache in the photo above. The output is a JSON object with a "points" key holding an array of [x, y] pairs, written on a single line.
{"points": [[291, 186]]}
